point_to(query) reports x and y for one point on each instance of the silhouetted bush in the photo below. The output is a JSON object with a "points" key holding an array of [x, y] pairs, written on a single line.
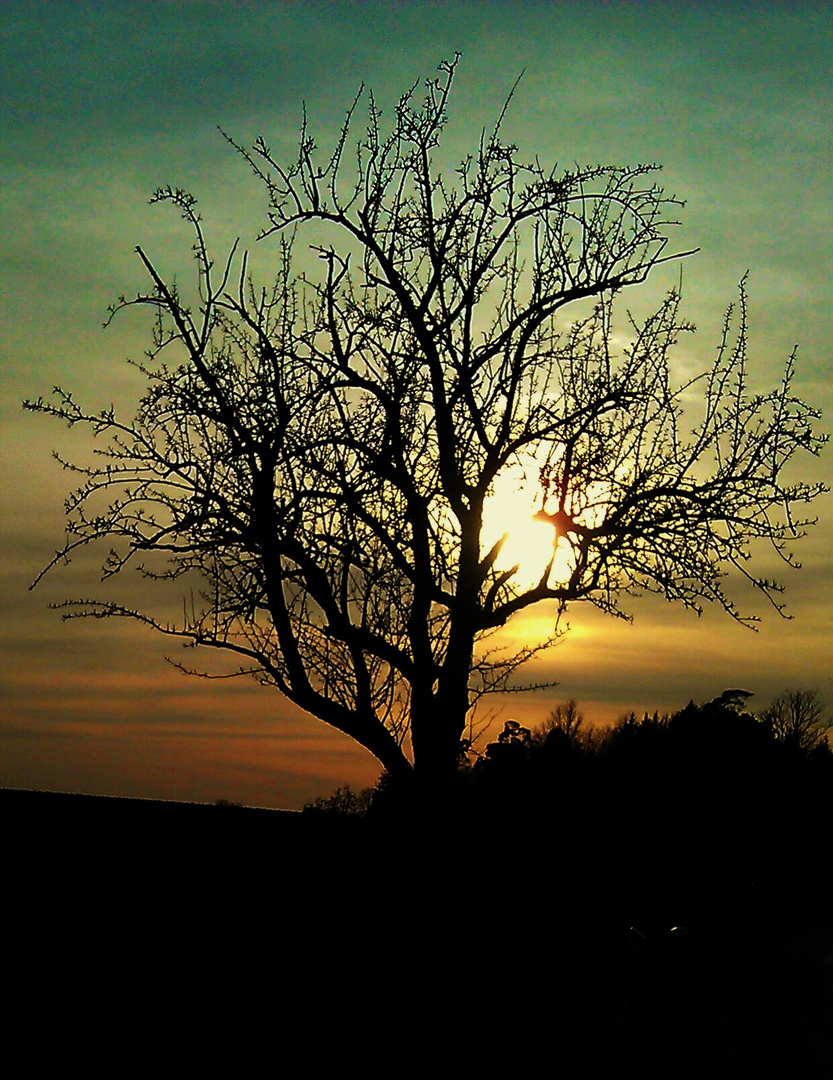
{"points": [[342, 801]]}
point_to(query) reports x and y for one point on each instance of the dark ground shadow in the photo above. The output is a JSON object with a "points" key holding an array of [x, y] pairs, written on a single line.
{"points": [[345, 940]]}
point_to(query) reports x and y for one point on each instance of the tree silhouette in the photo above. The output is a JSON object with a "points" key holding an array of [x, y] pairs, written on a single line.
{"points": [[565, 722], [798, 718], [321, 451]]}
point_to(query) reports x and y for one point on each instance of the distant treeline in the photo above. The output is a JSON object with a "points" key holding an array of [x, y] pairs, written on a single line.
{"points": [[710, 776]]}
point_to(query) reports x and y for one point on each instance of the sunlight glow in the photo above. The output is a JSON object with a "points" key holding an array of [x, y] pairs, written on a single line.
{"points": [[511, 508]]}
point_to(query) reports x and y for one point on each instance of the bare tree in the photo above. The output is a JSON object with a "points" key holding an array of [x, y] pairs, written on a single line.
{"points": [[321, 451], [568, 719], [798, 717]]}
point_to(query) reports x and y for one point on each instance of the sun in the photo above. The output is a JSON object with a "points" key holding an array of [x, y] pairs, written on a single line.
{"points": [[511, 509]]}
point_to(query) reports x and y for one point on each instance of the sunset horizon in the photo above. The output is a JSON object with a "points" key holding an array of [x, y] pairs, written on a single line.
{"points": [[729, 99]]}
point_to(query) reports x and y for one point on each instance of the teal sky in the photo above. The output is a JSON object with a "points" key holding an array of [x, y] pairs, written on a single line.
{"points": [[102, 103]]}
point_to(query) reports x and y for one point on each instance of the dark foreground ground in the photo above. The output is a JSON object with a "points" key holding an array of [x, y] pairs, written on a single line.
{"points": [[340, 942]]}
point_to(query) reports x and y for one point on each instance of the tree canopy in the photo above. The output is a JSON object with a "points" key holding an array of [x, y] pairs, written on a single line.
{"points": [[321, 450]]}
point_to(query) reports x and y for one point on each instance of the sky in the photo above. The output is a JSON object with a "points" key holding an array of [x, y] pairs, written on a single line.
{"points": [[103, 103]]}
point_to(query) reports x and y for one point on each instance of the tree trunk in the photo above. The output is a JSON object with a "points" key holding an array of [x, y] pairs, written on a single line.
{"points": [[437, 728]]}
